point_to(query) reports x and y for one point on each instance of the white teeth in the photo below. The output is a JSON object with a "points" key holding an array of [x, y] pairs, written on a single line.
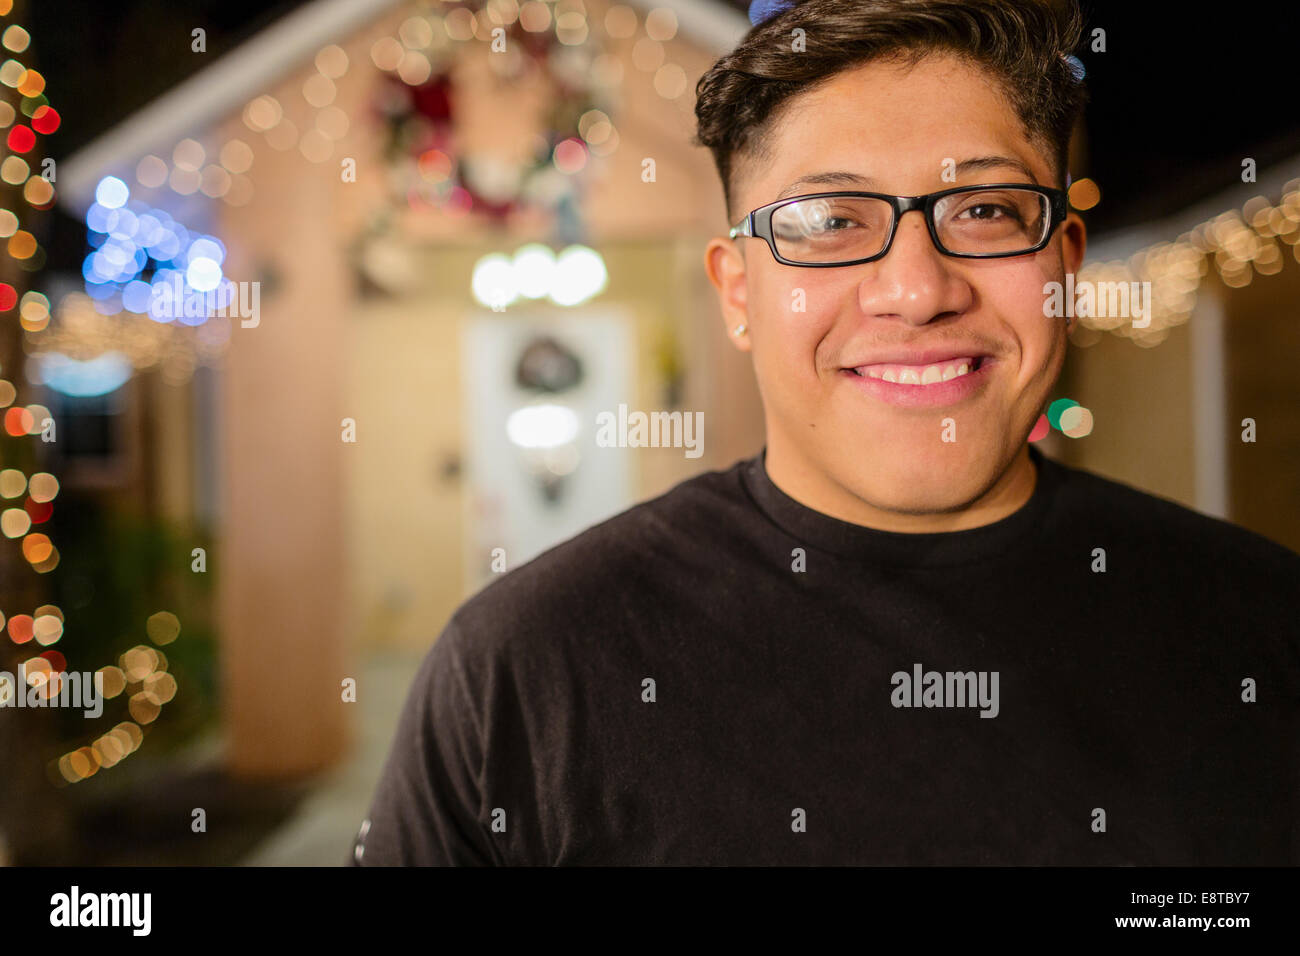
{"points": [[916, 374]]}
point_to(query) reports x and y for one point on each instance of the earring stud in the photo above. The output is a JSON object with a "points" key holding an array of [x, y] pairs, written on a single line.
{"points": [[739, 330]]}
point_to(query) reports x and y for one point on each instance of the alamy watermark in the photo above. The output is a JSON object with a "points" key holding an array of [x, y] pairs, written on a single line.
{"points": [[946, 689], [59, 689], [173, 299], [1087, 299], [651, 430], [75, 908]]}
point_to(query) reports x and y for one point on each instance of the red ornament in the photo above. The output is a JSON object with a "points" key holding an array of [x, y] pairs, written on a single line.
{"points": [[8, 297], [432, 100]]}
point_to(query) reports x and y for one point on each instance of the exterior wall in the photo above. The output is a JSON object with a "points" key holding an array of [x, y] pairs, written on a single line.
{"points": [[1141, 400], [1263, 347]]}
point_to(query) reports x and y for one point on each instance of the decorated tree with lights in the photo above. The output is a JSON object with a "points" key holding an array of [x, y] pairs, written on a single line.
{"points": [[30, 626], [43, 750]]}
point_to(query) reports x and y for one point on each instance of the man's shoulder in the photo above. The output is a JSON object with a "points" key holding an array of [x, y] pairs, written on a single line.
{"points": [[585, 580], [1168, 526]]}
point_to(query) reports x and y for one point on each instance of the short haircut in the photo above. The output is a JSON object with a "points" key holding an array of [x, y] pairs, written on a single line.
{"points": [[1022, 44]]}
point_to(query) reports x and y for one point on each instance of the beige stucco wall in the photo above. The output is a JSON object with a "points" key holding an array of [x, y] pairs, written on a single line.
{"points": [[1262, 356], [1141, 400]]}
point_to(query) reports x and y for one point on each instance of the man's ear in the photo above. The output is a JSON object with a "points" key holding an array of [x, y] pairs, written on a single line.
{"points": [[1074, 242], [725, 265]]}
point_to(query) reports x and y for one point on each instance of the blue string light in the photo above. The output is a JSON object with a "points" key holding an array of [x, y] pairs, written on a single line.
{"points": [[762, 10]]}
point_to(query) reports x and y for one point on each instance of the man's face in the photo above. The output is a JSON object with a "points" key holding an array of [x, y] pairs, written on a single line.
{"points": [[848, 440]]}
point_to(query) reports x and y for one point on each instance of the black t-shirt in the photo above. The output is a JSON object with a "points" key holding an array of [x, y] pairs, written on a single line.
{"points": [[724, 676]]}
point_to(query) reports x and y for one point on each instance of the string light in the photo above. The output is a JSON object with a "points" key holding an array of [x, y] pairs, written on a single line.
{"points": [[1237, 244], [140, 673], [144, 671]]}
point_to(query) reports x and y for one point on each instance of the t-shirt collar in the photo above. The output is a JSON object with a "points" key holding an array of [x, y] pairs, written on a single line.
{"points": [[822, 532]]}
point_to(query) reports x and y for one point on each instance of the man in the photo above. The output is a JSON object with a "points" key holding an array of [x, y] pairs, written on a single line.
{"points": [[899, 635]]}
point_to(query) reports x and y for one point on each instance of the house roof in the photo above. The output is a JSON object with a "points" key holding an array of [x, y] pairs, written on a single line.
{"points": [[247, 71]]}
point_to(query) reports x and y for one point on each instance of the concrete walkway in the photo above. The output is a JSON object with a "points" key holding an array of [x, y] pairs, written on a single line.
{"points": [[321, 831]]}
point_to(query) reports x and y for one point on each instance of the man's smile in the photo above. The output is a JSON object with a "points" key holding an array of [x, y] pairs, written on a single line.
{"points": [[924, 385]]}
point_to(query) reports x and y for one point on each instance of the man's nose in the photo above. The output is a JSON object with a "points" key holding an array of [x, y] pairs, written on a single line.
{"points": [[913, 281]]}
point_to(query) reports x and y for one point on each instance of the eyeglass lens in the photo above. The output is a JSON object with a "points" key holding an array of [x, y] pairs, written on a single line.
{"points": [[844, 228]]}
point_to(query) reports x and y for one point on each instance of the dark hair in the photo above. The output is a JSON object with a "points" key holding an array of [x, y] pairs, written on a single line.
{"points": [[1022, 43]]}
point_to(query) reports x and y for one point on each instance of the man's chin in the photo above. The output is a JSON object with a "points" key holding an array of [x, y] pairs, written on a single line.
{"points": [[919, 504], [922, 489]]}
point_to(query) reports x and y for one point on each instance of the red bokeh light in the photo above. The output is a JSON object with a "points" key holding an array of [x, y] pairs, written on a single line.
{"points": [[39, 511], [46, 120], [20, 628], [21, 139], [18, 421]]}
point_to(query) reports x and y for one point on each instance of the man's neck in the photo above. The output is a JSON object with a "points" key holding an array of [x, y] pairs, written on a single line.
{"points": [[816, 490]]}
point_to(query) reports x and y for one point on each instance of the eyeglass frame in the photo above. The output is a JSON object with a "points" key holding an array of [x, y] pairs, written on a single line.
{"points": [[758, 223]]}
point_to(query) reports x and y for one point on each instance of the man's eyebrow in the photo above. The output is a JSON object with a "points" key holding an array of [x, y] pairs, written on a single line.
{"points": [[844, 178], [833, 178], [981, 163]]}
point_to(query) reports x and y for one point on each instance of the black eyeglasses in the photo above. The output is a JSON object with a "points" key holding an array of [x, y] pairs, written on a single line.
{"points": [[993, 221]]}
